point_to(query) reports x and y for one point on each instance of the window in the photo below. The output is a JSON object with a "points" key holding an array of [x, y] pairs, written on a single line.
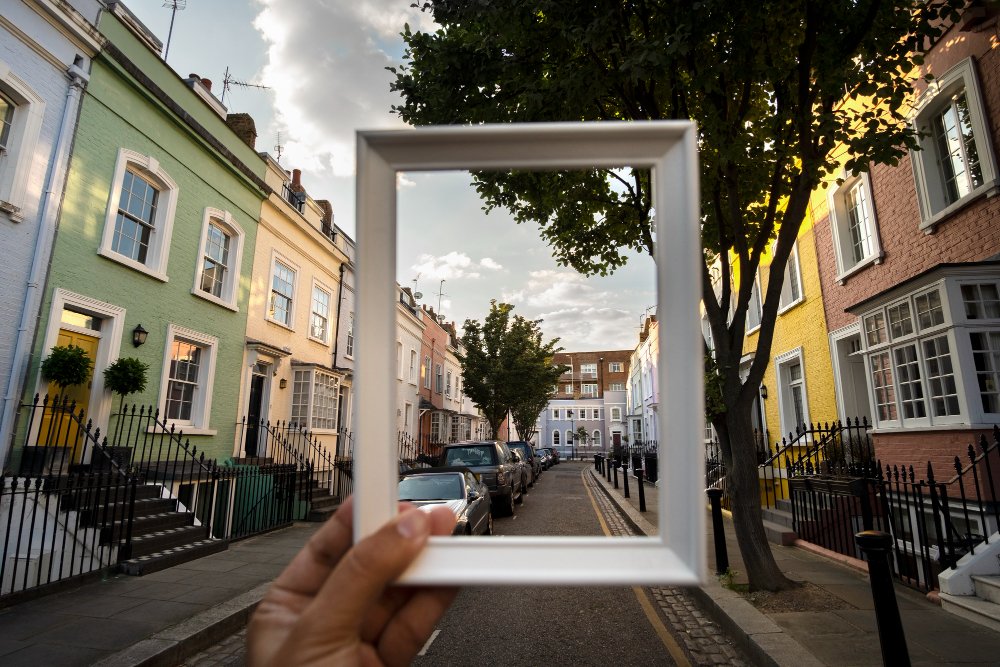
{"points": [[617, 386], [986, 358], [140, 215], [456, 429], [595, 438], [616, 367], [399, 360], [596, 413], [438, 379], [569, 437], [407, 415], [588, 389], [314, 399], [588, 370], [349, 347], [852, 218], [567, 389], [447, 386], [435, 427], [187, 379], [555, 438], [982, 301], [791, 288], [220, 258], [282, 293], [616, 414], [792, 405], [319, 318], [426, 370], [955, 162], [413, 367], [21, 113], [754, 308], [555, 413]]}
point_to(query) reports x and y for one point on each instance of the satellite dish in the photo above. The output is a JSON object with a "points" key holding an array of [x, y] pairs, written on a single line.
{"points": [[418, 295]]}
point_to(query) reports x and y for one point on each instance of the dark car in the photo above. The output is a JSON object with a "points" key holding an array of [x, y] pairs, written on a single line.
{"points": [[494, 464], [530, 457], [555, 455], [546, 456], [456, 488]]}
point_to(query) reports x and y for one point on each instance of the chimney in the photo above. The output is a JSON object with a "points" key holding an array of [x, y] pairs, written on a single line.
{"points": [[297, 180], [327, 220], [243, 126], [207, 83]]}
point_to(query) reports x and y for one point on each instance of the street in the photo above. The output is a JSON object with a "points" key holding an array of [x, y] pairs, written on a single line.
{"points": [[500, 625]]}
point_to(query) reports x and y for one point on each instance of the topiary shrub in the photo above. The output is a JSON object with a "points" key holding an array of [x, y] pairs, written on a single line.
{"points": [[67, 366], [126, 375]]}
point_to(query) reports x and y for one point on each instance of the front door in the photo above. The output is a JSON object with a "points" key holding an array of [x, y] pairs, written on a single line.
{"points": [[57, 428], [255, 411]]}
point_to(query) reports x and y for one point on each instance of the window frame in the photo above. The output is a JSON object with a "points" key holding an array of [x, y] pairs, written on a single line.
{"points": [[926, 175], [840, 222], [318, 285], [427, 372], [755, 302], [149, 168], [278, 258], [201, 411], [414, 357], [312, 373], [616, 414], [784, 307], [616, 367], [230, 285], [349, 337], [25, 127], [782, 363]]}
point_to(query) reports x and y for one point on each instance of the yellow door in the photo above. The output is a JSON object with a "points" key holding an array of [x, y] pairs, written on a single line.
{"points": [[60, 430]]}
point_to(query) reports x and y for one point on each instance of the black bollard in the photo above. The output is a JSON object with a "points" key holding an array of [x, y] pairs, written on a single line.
{"points": [[642, 490], [615, 470], [877, 547], [625, 478], [719, 531], [597, 461], [607, 469]]}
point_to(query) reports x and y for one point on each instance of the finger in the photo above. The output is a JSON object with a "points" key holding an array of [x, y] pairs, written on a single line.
{"points": [[408, 630], [313, 564]]}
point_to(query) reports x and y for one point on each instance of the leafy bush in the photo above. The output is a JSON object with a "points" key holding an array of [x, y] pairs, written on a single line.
{"points": [[67, 366], [127, 375]]}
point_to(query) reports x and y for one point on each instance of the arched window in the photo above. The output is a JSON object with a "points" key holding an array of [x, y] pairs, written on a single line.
{"points": [[555, 438], [569, 437], [596, 438]]}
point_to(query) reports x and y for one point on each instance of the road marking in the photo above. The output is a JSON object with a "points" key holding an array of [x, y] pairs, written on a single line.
{"points": [[430, 640], [673, 648]]}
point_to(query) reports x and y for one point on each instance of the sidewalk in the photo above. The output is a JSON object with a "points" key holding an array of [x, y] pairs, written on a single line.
{"points": [[158, 619], [841, 637]]}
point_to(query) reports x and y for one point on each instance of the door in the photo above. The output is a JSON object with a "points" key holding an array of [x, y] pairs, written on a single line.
{"points": [[57, 427], [255, 411]]}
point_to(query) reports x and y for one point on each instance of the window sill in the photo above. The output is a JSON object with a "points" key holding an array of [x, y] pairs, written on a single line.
{"points": [[863, 264], [280, 324], [132, 264], [784, 309], [753, 330], [184, 429], [985, 190], [936, 428], [318, 341], [216, 300]]}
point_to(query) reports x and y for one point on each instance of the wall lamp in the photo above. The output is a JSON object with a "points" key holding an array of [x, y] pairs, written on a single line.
{"points": [[763, 392], [139, 335], [282, 383]]}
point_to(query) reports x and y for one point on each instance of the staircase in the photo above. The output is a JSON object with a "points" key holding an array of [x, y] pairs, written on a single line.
{"points": [[778, 523], [323, 504], [983, 607]]}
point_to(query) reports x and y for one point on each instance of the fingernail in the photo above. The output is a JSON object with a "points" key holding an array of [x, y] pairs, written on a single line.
{"points": [[414, 524]]}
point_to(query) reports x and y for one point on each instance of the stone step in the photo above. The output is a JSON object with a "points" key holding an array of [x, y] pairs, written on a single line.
{"points": [[161, 540], [777, 516], [784, 505], [987, 587], [778, 534], [321, 514], [973, 609], [146, 524], [161, 560]]}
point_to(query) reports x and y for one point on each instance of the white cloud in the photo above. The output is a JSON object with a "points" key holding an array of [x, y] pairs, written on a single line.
{"points": [[590, 328], [403, 182], [453, 266], [489, 263], [326, 68]]}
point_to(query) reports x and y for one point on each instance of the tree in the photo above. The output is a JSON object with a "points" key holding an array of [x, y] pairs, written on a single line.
{"points": [[506, 368], [67, 366], [783, 94], [126, 375], [581, 435]]}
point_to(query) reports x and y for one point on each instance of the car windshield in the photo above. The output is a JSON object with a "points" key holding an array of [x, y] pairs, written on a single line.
{"points": [[521, 448], [479, 455], [430, 487]]}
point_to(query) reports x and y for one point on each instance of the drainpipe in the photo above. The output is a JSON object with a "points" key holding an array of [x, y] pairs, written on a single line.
{"points": [[47, 219], [340, 304]]}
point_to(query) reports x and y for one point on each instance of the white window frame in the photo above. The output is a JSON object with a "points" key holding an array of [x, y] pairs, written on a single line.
{"points": [[413, 366], [755, 304], [930, 194], [325, 340], [427, 373], [840, 224], [312, 372], [447, 384], [616, 367], [595, 438], [588, 370], [277, 258], [567, 388], [399, 360], [617, 386], [16, 165], [785, 409], [349, 340], [556, 414], [588, 388], [201, 407], [556, 437], [407, 416], [163, 223], [790, 271], [616, 414], [230, 285]]}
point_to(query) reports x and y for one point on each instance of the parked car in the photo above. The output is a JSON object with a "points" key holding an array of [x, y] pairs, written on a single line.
{"points": [[456, 488], [530, 457], [555, 455], [545, 455], [494, 463]]}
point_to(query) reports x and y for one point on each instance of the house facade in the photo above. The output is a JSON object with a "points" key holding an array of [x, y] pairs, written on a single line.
{"points": [[642, 392], [156, 235], [908, 262], [409, 340], [45, 62]]}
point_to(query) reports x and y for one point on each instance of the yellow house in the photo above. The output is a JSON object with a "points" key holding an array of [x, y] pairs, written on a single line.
{"points": [[798, 385], [296, 371]]}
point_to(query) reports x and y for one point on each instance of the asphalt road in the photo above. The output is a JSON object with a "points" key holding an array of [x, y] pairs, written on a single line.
{"points": [[518, 625]]}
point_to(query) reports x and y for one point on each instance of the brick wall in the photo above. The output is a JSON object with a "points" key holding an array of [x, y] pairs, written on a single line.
{"points": [[916, 448]]}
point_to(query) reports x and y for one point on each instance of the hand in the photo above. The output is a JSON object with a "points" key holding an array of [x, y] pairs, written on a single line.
{"points": [[334, 605]]}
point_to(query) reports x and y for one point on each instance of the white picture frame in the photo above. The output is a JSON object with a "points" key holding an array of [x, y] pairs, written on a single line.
{"points": [[669, 148]]}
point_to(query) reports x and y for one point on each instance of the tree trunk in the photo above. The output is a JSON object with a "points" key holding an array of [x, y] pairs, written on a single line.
{"points": [[736, 438]]}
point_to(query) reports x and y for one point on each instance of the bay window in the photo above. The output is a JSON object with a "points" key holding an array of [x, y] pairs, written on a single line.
{"points": [[315, 394]]}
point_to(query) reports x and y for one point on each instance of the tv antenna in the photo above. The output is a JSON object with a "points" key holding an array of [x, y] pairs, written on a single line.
{"points": [[278, 149], [416, 294], [174, 6], [228, 82], [440, 294]]}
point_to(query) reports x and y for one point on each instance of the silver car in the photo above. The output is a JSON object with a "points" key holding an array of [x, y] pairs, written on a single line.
{"points": [[456, 488]]}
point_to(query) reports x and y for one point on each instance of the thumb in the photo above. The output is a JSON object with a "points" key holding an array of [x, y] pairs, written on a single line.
{"points": [[358, 581]]}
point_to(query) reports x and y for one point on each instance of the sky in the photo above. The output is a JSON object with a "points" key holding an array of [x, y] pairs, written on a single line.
{"points": [[323, 62]]}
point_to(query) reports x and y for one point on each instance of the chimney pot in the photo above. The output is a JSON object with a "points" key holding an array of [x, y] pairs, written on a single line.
{"points": [[297, 177], [194, 76], [207, 83]]}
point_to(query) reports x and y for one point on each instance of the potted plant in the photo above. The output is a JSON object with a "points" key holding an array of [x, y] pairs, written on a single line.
{"points": [[67, 366], [127, 375]]}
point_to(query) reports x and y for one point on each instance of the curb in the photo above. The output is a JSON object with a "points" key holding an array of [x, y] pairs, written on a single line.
{"points": [[761, 638], [173, 645]]}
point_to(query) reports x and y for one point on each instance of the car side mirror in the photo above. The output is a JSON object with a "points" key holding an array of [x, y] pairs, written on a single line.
{"points": [[473, 495]]}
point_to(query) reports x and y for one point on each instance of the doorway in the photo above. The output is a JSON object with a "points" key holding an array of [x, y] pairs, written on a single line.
{"points": [[256, 410]]}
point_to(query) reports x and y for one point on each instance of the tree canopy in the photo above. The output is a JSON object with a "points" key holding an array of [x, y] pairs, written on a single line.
{"points": [[784, 94], [506, 367]]}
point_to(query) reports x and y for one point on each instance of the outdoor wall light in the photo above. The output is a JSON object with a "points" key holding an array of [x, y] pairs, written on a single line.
{"points": [[282, 383], [139, 335], [763, 392]]}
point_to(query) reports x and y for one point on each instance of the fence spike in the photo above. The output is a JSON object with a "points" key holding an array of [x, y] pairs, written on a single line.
{"points": [[930, 473], [983, 446]]}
